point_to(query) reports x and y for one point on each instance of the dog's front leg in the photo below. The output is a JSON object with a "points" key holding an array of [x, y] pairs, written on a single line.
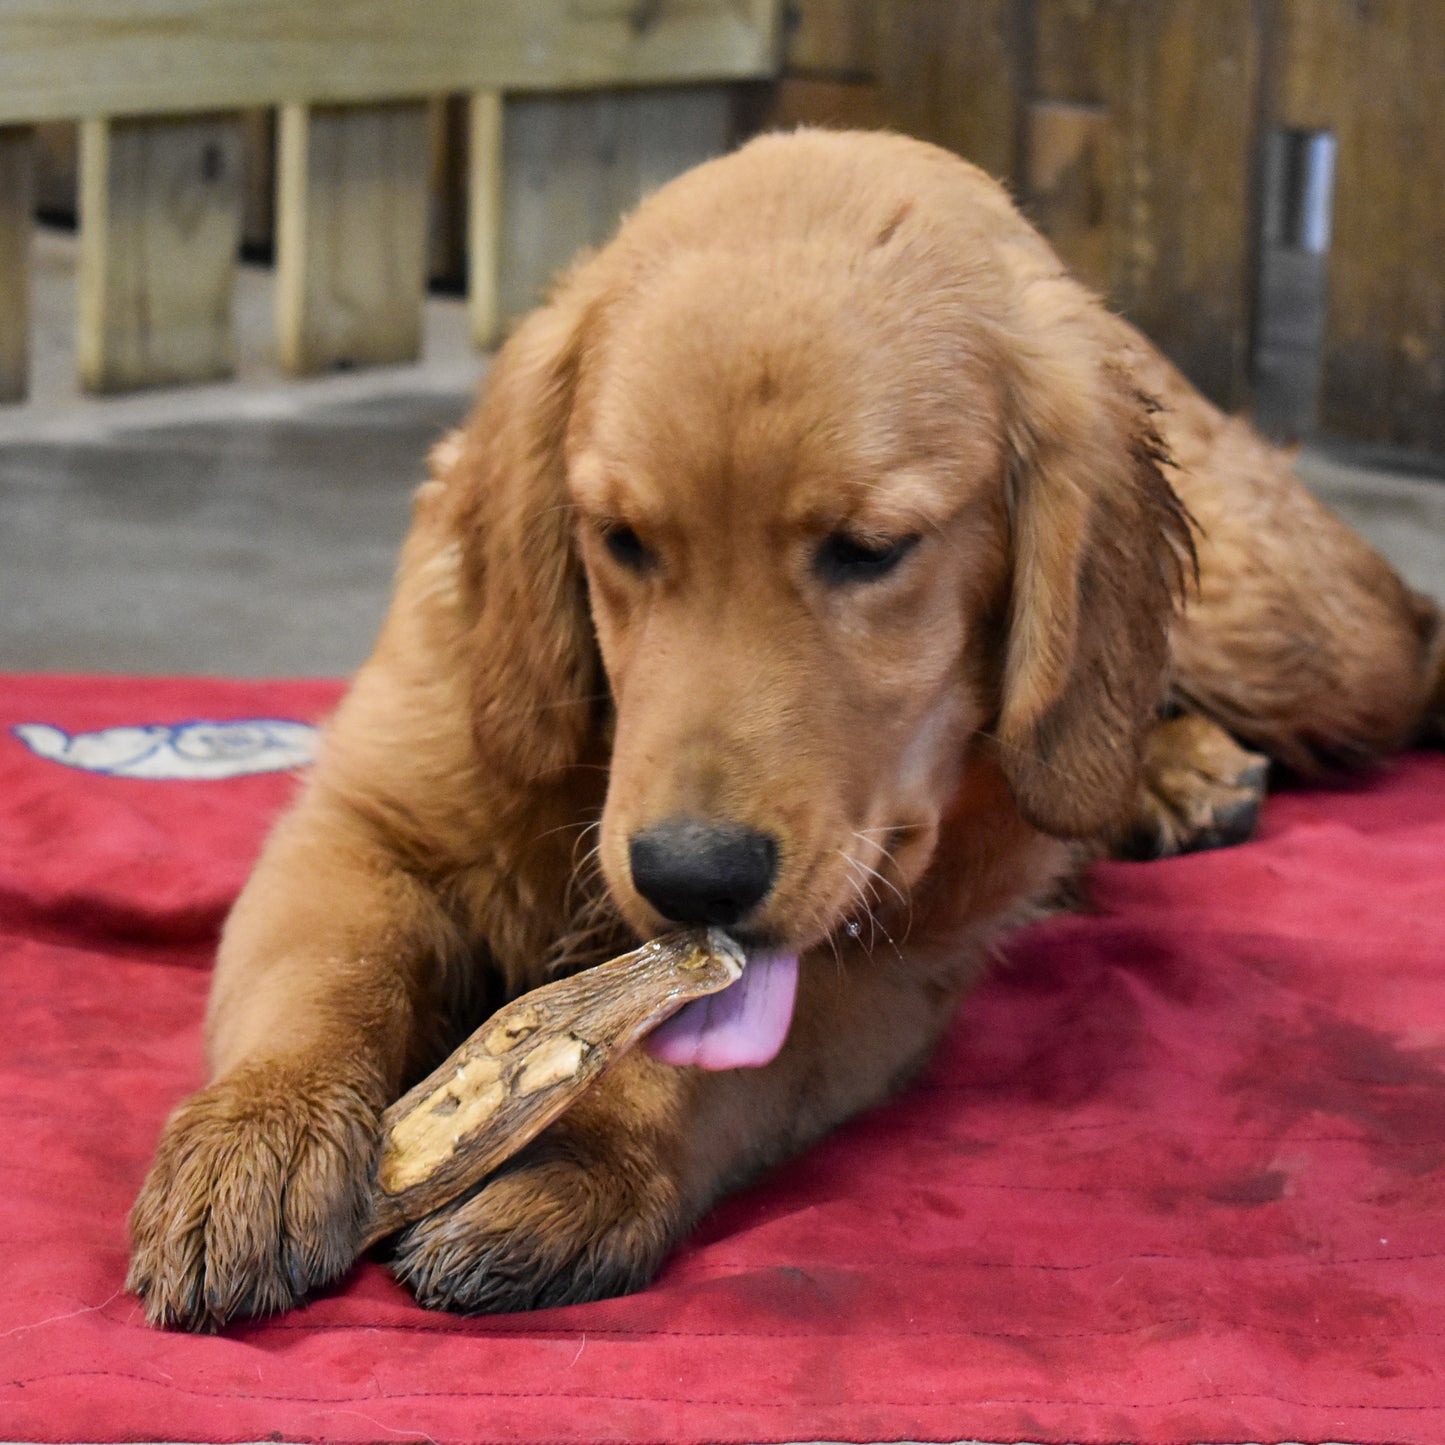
{"points": [[595, 1204], [260, 1186]]}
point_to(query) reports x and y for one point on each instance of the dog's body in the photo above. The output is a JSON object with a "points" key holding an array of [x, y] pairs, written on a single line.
{"points": [[826, 542]]}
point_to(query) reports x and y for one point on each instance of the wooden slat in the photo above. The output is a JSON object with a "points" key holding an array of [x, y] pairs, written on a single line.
{"points": [[351, 235], [574, 164], [1374, 75], [1066, 184], [17, 205], [1180, 80], [64, 59], [484, 216], [764, 19], [1069, 49], [832, 37], [953, 74], [160, 219]]}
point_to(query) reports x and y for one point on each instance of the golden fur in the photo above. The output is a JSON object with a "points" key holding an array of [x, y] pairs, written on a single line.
{"points": [[821, 332]]}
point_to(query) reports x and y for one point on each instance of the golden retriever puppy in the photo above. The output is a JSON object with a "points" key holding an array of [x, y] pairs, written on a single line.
{"points": [[822, 562]]}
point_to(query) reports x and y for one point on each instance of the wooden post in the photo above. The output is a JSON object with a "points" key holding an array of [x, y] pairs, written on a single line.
{"points": [[160, 225], [834, 38], [1373, 75], [576, 163], [351, 247], [17, 205], [484, 216], [1181, 82]]}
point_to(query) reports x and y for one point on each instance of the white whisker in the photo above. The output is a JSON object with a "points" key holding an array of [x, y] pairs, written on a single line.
{"points": [[904, 902]]}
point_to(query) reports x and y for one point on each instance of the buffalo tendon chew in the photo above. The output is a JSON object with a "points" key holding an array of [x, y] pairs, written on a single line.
{"points": [[526, 1064]]}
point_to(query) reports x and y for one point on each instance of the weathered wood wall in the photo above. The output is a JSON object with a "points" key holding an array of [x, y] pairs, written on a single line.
{"points": [[1133, 132]]}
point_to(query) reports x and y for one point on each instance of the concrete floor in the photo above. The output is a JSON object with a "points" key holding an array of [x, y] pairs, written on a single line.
{"points": [[250, 529]]}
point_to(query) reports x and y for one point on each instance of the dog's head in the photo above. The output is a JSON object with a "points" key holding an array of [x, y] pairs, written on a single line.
{"points": [[818, 506]]}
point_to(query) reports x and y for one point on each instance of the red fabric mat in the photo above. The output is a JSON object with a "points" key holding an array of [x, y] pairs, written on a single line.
{"points": [[1178, 1175]]}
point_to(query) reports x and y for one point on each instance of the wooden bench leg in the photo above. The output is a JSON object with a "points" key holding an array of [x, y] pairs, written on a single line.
{"points": [[160, 227], [351, 235], [484, 216], [17, 207]]}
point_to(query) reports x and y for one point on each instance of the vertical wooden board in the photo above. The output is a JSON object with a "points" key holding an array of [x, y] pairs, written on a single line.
{"points": [[160, 225], [1375, 75], [835, 38], [662, 132], [1069, 50], [1181, 82], [575, 164], [484, 215], [17, 206], [1065, 184], [1065, 148], [954, 74], [766, 18], [351, 235]]}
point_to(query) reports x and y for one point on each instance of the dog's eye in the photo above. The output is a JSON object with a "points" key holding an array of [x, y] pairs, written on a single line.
{"points": [[842, 559], [627, 548]]}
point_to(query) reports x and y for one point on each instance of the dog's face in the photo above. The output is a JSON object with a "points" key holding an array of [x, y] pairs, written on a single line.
{"points": [[790, 547], [832, 510]]}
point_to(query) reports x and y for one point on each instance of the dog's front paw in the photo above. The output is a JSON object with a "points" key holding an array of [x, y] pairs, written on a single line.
{"points": [[259, 1192], [571, 1221], [1200, 790]]}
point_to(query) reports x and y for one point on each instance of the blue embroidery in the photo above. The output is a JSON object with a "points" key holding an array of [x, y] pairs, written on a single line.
{"points": [[199, 751]]}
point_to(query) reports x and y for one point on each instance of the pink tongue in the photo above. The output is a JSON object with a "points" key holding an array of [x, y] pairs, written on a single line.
{"points": [[742, 1027]]}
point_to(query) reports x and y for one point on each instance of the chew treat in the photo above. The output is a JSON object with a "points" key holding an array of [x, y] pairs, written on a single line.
{"points": [[527, 1063]]}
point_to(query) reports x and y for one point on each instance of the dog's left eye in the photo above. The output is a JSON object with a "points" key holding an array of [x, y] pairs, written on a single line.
{"points": [[842, 559], [628, 549]]}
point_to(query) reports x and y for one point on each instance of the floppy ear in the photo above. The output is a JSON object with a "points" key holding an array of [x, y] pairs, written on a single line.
{"points": [[534, 664], [1100, 549]]}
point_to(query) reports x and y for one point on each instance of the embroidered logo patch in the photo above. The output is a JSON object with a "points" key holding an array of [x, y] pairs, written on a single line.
{"points": [[190, 751]]}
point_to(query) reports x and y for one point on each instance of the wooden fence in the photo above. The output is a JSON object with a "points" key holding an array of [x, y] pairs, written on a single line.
{"points": [[1137, 131], [157, 87]]}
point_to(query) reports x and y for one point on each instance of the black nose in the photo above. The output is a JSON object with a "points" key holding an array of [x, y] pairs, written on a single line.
{"points": [[696, 872]]}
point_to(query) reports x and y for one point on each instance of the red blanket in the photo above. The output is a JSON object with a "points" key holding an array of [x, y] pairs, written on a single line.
{"points": [[1178, 1175]]}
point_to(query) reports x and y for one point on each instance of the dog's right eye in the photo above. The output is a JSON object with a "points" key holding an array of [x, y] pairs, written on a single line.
{"points": [[842, 559], [628, 549]]}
